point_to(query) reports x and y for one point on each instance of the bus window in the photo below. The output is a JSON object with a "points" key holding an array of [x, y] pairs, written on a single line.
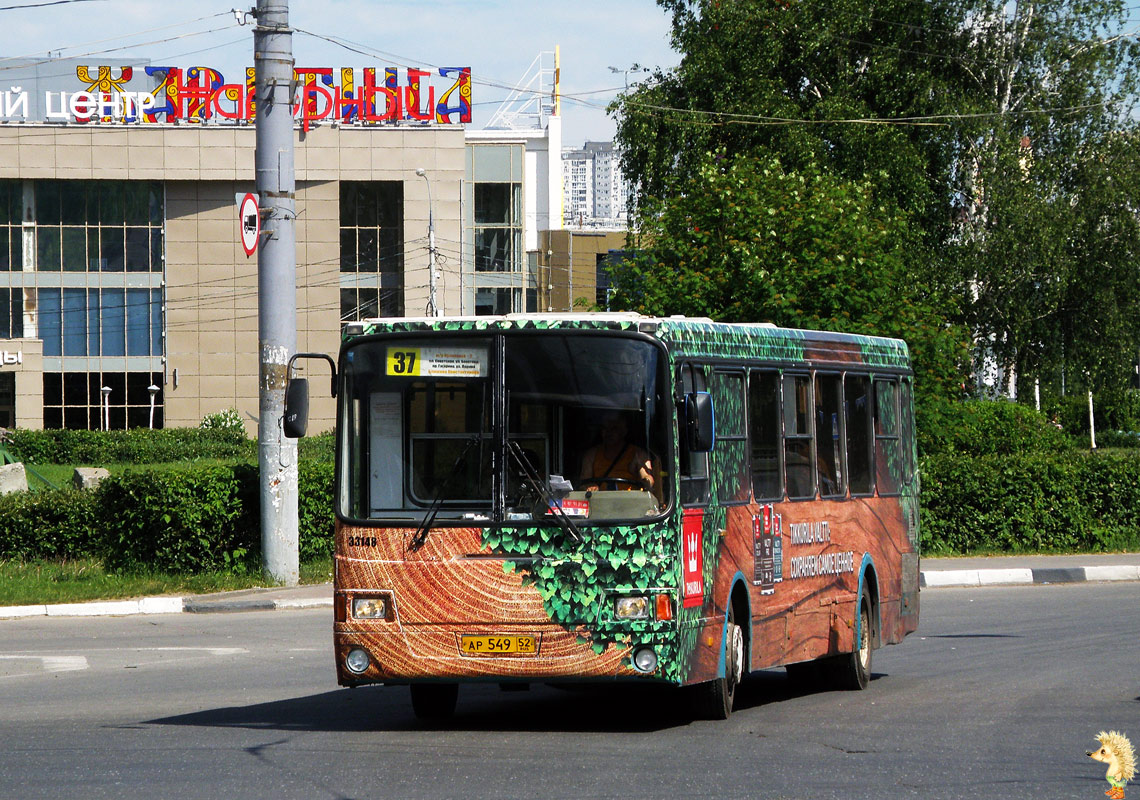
{"points": [[888, 459], [442, 416], [764, 426], [413, 440], [694, 467], [906, 429], [730, 456], [828, 444], [590, 410], [797, 400], [857, 413]]}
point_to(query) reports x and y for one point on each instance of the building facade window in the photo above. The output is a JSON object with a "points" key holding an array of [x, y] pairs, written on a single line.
{"points": [[496, 269], [11, 313], [101, 322], [371, 249], [98, 226], [84, 239], [11, 212], [498, 227], [75, 400], [495, 301]]}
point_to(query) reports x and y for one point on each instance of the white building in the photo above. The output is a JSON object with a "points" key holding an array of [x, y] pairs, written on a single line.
{"points": [[595, 193]]}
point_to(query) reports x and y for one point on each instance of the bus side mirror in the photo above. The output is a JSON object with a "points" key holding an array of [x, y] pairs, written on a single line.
{"points": [[700, 425], [296, 408], [296, 419]]}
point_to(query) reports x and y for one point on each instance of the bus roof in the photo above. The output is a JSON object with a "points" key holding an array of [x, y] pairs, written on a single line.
{"points": [[698, 337]]}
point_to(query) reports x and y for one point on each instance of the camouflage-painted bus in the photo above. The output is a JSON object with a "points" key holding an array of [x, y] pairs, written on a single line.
{"points": [[560, 498]]}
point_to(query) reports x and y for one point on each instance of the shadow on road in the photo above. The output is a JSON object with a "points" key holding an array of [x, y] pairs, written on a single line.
{"points": [[484, 707]]}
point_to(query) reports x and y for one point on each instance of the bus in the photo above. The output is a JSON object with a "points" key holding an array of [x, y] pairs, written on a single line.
{"points": [[763, 511]]}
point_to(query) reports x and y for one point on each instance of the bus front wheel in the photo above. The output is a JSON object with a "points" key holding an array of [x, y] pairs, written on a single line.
{"points": [[434, 701], [713, 700]]}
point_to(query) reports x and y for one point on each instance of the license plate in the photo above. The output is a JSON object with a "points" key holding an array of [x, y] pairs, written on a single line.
{"points": [[526, 644]]}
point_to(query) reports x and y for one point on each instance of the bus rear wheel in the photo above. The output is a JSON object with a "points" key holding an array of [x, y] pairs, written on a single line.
{"points": [[434, 701], [853, 670]]}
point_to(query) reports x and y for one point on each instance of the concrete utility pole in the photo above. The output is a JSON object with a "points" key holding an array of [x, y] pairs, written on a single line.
{"points": [[276, 285]]}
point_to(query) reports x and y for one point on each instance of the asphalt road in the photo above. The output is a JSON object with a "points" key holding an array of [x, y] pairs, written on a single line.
{"points": [[999, 695]]}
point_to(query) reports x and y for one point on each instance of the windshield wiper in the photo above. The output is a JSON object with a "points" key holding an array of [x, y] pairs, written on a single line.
{"points": [[437, 500], [539, 487]]}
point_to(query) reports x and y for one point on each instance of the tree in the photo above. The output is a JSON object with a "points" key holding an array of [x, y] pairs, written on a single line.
{"points": [[782, 78], [1001, 130], [748, 241], [1041, 187]]}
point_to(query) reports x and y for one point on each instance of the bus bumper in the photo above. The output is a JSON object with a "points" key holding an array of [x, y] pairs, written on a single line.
{"points": [[436, 652]]}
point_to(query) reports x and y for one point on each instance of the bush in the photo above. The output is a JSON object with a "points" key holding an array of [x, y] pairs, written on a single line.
{"points": [[1036, 502], [992, 427], [58, 524], [228, 423], [193, 520], [1118, 439], [136, 446], [315, 509]]}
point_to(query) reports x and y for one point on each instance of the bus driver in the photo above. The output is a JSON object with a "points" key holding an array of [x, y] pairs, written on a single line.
{"points": [[617, 463]]}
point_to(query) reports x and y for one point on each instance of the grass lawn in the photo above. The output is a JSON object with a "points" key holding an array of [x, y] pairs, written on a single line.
{"points": [[83, 580]]}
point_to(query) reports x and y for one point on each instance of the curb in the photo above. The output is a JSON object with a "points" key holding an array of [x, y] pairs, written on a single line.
{"points": [[945, 578], [164, 605], [247, 601]]}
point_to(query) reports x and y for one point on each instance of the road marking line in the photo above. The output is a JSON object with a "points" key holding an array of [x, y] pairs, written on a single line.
{"points": [[54, 663]]}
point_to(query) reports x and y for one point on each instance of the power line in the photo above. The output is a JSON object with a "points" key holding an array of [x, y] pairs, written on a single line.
{"points": [[42, 5]]}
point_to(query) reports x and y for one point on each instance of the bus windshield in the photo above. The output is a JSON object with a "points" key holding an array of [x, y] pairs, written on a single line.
{"points": [[513, 428]]}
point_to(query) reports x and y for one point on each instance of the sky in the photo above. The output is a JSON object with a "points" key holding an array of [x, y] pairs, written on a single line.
{"points": [[498, 39]]}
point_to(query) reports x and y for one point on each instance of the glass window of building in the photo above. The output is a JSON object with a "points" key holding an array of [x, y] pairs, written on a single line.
{"points": [[11, 313], [495, 264], [11, 212], [495, 301], [106, 230], [98, 226], [77, 400], [498, 227], [371, 249]]}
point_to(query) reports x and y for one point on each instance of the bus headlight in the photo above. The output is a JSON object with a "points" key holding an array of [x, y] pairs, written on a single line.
{"points": [[357, 661], [631, 607], [370, 607]]}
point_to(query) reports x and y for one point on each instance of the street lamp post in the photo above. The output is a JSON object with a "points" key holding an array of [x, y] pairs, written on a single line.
{"points": [[625, 72], [432, 308], [153, 392], [106, 392]]}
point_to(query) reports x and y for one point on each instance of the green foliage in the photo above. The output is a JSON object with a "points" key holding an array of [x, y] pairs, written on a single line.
{"points": [[196, 519], [227, 422], [992, 427], [321, 447], [191, 521], [1118, 439], [55, 524], [315, 502], [744, 240], [136, 446], [1030, 502], [1005, 132], [751, 66]]}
